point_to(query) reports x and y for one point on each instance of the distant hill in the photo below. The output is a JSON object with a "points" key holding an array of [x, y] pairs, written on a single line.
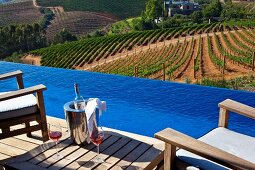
{"points": [[78, 23], [19, 13], [119, 8]]}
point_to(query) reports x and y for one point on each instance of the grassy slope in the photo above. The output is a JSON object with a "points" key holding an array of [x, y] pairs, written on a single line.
{"points": [[120, 8]]}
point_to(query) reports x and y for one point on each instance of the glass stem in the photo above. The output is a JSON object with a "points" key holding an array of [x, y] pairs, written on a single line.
{"points": [[56, 147], [97, 150]]}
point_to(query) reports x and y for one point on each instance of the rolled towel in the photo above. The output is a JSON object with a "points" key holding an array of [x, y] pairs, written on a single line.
{"points": [[92, 105]]}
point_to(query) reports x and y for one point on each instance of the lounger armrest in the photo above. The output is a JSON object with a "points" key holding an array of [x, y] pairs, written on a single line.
{"points": [[22, 92], [18, 74], [10, 74], [237, 107], [180, 140]]}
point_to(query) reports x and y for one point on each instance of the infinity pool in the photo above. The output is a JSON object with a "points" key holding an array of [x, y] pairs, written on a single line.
{"points": [[136, 105]]}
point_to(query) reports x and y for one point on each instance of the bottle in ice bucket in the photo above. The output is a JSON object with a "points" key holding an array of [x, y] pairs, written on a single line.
{"points": [[79, 102]]}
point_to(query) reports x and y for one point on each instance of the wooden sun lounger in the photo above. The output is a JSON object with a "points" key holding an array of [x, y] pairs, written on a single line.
{"points": [[174, 140], [39, 114]]}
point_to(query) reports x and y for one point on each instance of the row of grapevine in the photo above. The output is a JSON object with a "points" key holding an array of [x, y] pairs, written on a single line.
{"points": [[233, 48], [197, 63], [183, 59], [214, 58], [245, 39], [238, 42], [174, 61], [241, 60], [84, 52]]}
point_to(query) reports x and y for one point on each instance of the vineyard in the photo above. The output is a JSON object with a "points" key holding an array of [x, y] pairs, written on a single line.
{"points": [[77, 22], [118, 8], [19, 13], [170, 54], [204, 56]]}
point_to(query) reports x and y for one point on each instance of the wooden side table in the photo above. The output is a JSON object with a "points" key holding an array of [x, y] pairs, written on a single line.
{"points": [[120, 150]]}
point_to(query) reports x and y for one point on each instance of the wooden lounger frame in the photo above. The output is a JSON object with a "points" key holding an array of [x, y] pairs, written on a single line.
{"points": [[174, 140], [39, 116]]}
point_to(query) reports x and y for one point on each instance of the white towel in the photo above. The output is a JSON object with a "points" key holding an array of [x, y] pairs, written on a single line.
{"points": [[92, 105]]}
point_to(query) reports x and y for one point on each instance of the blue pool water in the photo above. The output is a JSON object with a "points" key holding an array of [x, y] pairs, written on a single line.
{"points": [[136, 105]]}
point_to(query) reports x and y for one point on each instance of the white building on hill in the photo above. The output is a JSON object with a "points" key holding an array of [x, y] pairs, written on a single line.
{"points": [[184, 6]]}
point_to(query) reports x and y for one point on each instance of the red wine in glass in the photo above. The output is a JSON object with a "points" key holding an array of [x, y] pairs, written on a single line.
{"points": [[97, 140], [55, 135], [97, 137]]}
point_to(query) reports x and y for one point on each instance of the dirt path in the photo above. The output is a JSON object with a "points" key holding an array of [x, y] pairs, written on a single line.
{"points": [[60, 8]]}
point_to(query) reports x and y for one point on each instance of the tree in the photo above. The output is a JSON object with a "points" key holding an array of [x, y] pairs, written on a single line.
{"points": [[63, 36], [20, 38], [197, 17], [234, 11], [154, 9], [213, 9]]}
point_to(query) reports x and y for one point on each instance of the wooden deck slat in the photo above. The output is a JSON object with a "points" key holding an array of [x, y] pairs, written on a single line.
{"points": [[43, 149], [145, 159], [78, 162], [119, 155], [17, 143], [51, 160], [3, 157], [51, 151], [26, 165], [85, 159], [11, 151], [109, 151], [91, 155], [36, 138], [75, 155], [132, 156], [28, 155]]}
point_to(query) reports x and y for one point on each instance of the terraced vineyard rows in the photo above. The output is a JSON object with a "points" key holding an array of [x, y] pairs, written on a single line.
{"points": [[118, 8], [77, 22], [188, 59], [19, 13], [152, 53]]}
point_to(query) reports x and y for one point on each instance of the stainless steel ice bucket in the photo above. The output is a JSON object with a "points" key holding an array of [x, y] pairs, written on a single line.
{"points": [[77, 123]]}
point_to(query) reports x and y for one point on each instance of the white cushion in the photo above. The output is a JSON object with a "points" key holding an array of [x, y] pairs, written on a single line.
{"points": [[18, 106], [235, 143]]}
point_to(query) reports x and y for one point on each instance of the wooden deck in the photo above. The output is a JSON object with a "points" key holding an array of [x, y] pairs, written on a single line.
{"points": [[139, 151]]}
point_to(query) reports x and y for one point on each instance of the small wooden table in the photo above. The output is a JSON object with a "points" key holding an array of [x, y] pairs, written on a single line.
{"points": [[120, 150]]}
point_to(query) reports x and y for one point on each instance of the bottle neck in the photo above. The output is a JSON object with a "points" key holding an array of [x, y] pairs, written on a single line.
{"points": [[77, 92]]}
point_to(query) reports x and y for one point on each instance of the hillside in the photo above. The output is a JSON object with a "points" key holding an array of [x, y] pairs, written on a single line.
{"points": [[78, 23], [19, 13], [143, 53], [119, 8]]}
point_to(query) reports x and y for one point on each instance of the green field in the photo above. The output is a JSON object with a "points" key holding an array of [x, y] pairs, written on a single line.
{"points": [[119, 8]]}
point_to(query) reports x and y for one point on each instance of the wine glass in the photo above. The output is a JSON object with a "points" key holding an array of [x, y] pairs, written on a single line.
{"points": [[97, 136], [55, 133]]}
